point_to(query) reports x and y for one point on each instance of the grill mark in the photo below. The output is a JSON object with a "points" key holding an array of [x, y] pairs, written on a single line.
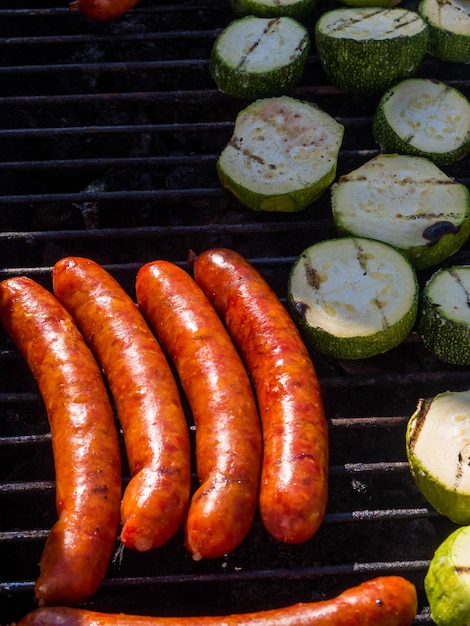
{"points": [[424, 404], [455, 275], [362, 259], [440, 97], [463, 460], [235, 143], [269, 27], [398, 22]]}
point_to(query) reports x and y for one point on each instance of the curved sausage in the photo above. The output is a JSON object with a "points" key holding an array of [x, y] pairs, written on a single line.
{"points": [[103, 10], [382, 601], [148, 404], [216, 384], [293, 492], [85, 442]]}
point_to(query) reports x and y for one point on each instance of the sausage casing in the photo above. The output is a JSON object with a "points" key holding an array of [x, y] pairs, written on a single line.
{"points": [[146, 396], [103, 10], [216, 384], [294, 484], [84, 440], [381, 601]]}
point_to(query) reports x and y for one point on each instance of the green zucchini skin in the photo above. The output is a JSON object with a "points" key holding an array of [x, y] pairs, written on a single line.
{"points": [[446, 44], [390, 141], [245, 82], [298, 10], [370, 66], [447, 339]]}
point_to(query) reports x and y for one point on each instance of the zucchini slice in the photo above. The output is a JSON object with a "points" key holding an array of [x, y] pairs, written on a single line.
{"points": [[365, 50], [298, 9], [447, 581], [407, 202], [449, 28], [282, 155], [444, 315], [353, 298], [424, 117], [438, 451], [257, 57]]}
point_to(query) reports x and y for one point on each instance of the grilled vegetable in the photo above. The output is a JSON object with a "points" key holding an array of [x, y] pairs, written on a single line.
{"points": [[282, 155], [298, 9], [447, 582], [449, 28], [407, 202], [366, 50], [257, 57], [438, 449], [382, 601], [353, 298], [444, 316], [424, 117], [103, 10]]}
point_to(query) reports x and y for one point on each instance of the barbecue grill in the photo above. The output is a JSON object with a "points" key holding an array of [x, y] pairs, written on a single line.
{"points": [[109, 134]]}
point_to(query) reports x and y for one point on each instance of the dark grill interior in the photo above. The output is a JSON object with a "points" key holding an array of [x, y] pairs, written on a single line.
{"points": [[109, 133]]}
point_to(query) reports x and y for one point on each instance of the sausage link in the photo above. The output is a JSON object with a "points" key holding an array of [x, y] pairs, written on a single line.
{"points": [[103, 10], [146, 396], [85, 442], [216, 384], [293, 492], [382, 601]]}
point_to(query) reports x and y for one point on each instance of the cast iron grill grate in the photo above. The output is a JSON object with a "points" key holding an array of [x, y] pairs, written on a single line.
{"points": [[109, 134]]}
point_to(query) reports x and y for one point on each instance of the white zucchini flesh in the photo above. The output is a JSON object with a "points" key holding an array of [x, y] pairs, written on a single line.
{"points": [[281, 145], [399, 198], [449, 292], [261, 44], [352, 287], [450, 15], [362, 24], [440, 441], [430, 115]]}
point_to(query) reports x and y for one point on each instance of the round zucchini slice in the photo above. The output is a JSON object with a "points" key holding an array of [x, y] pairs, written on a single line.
{"points": [[424, 117], [449, 28], [438, 451], [298, 9], [257, 57], [365, 50], [353, 298], [282, 155], [447, 581], [444, 315], [407, 202]]}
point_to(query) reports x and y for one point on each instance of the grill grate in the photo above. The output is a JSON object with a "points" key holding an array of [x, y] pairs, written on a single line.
{"points": [[109, 133]]}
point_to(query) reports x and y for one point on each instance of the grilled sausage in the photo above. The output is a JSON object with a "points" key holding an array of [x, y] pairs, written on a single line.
{"points": [[382, 601], [293, 492], [146, 396], [84, 440], [216, 384], [103, 10]]}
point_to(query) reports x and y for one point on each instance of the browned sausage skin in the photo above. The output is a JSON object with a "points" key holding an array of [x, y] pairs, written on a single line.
{"points": [[103, 10], [216, 384], [84, 440], [293, 492], [146, 396], [382, 601]]}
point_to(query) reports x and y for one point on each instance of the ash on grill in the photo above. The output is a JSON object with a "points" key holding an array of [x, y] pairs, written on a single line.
{"points": [[109, 133]]}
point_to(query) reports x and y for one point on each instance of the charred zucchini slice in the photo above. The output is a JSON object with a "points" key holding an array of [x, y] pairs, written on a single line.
{"points": [[282, 155], [449, 28], [424, 117], [256, 57], [407, 202], [353, 298], [366, 50]]}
